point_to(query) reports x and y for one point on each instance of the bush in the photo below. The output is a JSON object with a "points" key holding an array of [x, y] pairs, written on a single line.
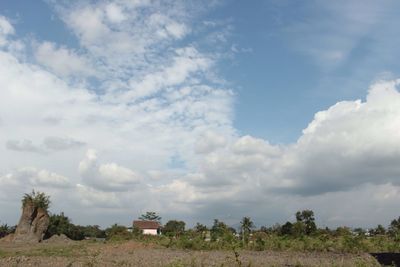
{"points": [[6, 230], [61, 224], [117, 233], [38, 199]]}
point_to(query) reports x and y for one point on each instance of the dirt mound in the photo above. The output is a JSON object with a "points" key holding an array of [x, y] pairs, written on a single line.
{"points": [[58, 239], [7, 238], [32, 224]]}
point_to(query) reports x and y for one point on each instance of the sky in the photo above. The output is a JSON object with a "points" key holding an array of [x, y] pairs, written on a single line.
{"points": [[201, 110]]}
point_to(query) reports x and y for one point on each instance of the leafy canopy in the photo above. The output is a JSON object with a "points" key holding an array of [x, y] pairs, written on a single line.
{"points": [[150, 216], [38, 199]]}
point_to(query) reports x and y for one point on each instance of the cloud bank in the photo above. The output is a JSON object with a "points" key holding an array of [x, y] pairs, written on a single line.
{"points": [[154, 129]]}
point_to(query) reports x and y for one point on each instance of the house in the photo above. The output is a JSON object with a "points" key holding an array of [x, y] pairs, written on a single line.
{"points": [[148, 227]]}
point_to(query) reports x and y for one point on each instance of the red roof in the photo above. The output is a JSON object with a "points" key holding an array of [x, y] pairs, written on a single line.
{"points": [[146, 224]]}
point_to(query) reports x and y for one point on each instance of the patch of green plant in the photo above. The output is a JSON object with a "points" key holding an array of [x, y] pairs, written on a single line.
{"points": [[55, 251], [3, 254]]}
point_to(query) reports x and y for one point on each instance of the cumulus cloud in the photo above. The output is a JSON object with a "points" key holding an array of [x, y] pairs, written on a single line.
{"points": [[187, 62], [107, 177], [209, 142], [19, 181], [351, 144], [155, 102], [23, 145], [49, 144], [63, 61], [59, 143], [6, 29]]}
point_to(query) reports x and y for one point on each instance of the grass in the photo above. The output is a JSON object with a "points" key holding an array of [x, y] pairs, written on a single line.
{"points": [[3, 254]]}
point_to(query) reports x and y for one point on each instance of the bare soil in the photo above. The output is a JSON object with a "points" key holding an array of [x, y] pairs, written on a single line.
{"points": [[88, 253]]}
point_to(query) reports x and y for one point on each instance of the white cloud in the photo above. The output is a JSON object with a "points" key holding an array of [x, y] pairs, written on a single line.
{"points": [[96, 198], [62, 61], [19, 181], [188, 63], [6, 29], [50, 144], [350, 144], [162, 130], [106, 177], [115, 13], [209, 142]]}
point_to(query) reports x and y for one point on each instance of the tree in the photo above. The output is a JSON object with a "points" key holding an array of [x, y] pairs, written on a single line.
{"points": [[174, 228], [6, 230], [342, 231], [379, 230], [307, 217], [38, 199], [150, 216], [246, 226], [201, 229], [93, 231], [61, 224], [394, 227], [359, 231], [118, 232], [218, 230], [286, 229]]}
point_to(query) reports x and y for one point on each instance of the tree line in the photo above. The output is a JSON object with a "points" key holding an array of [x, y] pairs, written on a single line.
{"points": [[301, 234]]}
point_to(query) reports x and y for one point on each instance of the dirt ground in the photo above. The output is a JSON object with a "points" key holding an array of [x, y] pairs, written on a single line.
{"points": [[89, 253]]}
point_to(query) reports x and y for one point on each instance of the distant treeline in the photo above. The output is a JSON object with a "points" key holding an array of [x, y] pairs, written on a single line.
{"points": [[300, 235]]}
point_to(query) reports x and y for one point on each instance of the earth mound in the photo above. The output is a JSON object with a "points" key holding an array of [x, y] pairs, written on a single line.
{"points": [[58, 239], [32, 224]]}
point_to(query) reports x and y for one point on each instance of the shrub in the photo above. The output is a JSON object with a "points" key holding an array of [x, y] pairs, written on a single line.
{"points": [[38, 199]]}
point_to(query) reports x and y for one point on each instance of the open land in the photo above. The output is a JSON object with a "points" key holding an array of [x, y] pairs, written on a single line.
{"points": [[133, 253]]}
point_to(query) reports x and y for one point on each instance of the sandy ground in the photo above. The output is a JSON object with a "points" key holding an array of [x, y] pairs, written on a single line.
{"points": [[86, 253]]}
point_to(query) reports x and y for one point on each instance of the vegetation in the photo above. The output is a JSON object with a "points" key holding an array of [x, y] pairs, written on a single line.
{"points": [[118, 232], [6, 230], [174, 228], [301, 235], [246, 226], [61, 224], [150, 216], [38, 199]]}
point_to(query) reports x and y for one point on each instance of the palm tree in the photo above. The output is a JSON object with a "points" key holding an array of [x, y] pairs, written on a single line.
{"points": [[246, 225]]}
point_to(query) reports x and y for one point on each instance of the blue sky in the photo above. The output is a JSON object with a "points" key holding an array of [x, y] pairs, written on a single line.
{"points": [[278, 85], [201, 110]]}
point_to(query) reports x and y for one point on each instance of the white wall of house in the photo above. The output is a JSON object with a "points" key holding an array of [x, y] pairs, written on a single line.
{"points": [[150, 231]]}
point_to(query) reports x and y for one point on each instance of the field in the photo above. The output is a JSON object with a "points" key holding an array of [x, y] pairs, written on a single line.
{"points": [[133, 253]]}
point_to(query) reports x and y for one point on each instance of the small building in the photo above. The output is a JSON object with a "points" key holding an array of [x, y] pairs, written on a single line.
{"points": [[148, 227]]}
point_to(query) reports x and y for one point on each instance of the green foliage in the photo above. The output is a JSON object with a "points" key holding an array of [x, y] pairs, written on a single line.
{"points": [[342, 231], [286, 229], [61, 224], [93, 231], [306, 217], [218, 230], [174, 228], [118, 232], [379, 230], [201, 230], [246, 225], [6, 230], [150, 216], [38, 199], [394, 228]]}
